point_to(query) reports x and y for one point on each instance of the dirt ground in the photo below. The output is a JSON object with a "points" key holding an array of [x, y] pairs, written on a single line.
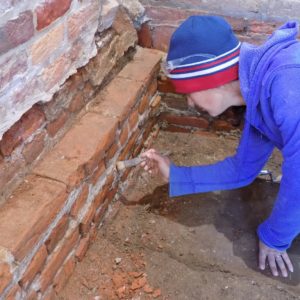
{"points": [[200, 246]]}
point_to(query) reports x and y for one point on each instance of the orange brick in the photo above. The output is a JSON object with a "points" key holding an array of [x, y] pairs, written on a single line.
{"points": [[14, 293], [82, 248], [123, 135], [222, 125], [64, 274], [112, 151], [49, 294], [117, 99], [5, 276], [81, 147], [144, 104], [34, 267], [99, 199], [198, 122], [133, 119], [57, 233], [20, 131], [164, 85], [57, 124], [56, 259], [80, 201], [145, 36], [152, 88], [32, 150], [100, 170], [23, 217], [129, 148]]}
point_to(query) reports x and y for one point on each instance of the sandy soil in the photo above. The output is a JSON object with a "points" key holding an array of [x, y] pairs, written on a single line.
{"points": [[194, 247]]}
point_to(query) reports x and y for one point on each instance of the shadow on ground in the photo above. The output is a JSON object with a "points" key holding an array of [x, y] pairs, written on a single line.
{"points": [[236, 214]]}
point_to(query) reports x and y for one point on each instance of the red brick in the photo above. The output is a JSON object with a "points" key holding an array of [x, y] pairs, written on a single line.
{"points": [[145, 36], [101, 212], [57, 258], [19, 132], [62, 277], [129, 148], [99, 171], [80, 201], [255, 26], [32, 295], [152, 87], [165, 85], [34, 267], [86, 221], [143, 104], [48, 11], [123, 135], [33, 149], [57, 233], [46, 45], [56, 125], [5, 276], [161, 37], [23, 217], [198, 122], [221, 125], [12, 66], [82, 248], [112, 151], [81, 147], [14, 293], [49, 294], [77, 103], [133, 119], [99, 199], [174, 128], [16, 32]]}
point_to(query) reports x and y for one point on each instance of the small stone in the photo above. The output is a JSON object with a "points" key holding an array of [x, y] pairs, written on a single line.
{"points": [[148, 289], [118, 260], [156, 293], [138, 283]]}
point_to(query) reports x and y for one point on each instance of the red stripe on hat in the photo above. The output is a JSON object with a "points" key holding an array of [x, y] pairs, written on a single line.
{"points": [[190, 85], [207, 65]]}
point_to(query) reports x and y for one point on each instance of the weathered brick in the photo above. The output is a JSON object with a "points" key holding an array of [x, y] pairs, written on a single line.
{"points": [[87, 219], [5, 276], [33, 149], [123, 135], [129, 148], [82, 146], [191, 121], [143, 104], [57, 124], [16, 32], [58, 256], [64, 274], [12, 66], [255, 26], [49, 10], [99, 199], [57, 233], [80, 201], [54, 72], [76, 103], [112, 151], [34, 267], [31, 295], [101, 212], [46, 45], [222, 125], [14, 293], [50, 294], [133, 119], [96, 175], [145, 36], [164, 85], [23, 218], [82, 248], [20, 131]]}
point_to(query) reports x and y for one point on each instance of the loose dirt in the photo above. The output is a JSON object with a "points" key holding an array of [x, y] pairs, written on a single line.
{"points": [[200, 246]]}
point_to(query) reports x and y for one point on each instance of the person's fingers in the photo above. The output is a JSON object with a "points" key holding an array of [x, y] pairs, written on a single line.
{"points": [[281, 265], [262, 259], [272, 264], [288, 262]]}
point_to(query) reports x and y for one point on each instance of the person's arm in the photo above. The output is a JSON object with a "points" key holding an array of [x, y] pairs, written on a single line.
{"points": [[283, 225], [233, 172]]}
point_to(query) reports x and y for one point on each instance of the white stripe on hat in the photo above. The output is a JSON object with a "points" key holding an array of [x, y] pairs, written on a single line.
{"points": [[206, 71]]}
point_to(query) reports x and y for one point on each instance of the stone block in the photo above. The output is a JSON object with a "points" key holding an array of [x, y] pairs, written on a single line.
{"points": [[23, 217]]}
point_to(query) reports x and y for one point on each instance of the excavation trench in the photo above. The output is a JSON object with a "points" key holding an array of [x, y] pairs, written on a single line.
{"points": [[200, 246]]}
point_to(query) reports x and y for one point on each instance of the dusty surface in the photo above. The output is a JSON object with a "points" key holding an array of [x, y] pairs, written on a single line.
{"points": [[193, 247]]}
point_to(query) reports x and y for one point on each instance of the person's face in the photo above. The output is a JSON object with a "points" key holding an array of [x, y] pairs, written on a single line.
{"points": [[214, 101]]}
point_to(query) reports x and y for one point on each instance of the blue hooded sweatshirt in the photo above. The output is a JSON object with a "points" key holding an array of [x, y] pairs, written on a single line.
{"points": [[270, 85]]}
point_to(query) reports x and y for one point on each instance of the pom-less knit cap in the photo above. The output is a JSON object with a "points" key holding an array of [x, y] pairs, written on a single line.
{"points": [[203, 54]]}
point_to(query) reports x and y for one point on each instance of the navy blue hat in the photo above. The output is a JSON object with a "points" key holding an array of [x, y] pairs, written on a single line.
{"points": [[203, 54]]}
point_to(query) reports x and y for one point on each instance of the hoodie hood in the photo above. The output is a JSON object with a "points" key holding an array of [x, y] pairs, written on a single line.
{"points": [[258, 62]]}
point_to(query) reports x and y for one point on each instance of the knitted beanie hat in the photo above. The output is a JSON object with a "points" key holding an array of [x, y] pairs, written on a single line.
{"points": [[203, 54]]}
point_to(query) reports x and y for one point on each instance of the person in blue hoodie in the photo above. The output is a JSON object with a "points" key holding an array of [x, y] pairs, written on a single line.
{"points": [[206, 62]]}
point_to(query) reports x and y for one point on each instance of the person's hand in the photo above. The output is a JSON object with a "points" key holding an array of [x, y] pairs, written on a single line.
{"points": [[156, 163], [276, 259]]}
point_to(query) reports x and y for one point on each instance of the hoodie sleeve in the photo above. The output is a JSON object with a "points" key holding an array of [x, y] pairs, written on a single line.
{"points": [[283, 225], [233, 172]]}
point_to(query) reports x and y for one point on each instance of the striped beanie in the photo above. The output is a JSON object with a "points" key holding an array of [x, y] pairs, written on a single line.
{"points": [[203, 54]]}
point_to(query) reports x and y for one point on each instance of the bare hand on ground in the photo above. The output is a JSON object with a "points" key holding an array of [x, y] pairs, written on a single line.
{"points": [[156, 163], [276, 259]]}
